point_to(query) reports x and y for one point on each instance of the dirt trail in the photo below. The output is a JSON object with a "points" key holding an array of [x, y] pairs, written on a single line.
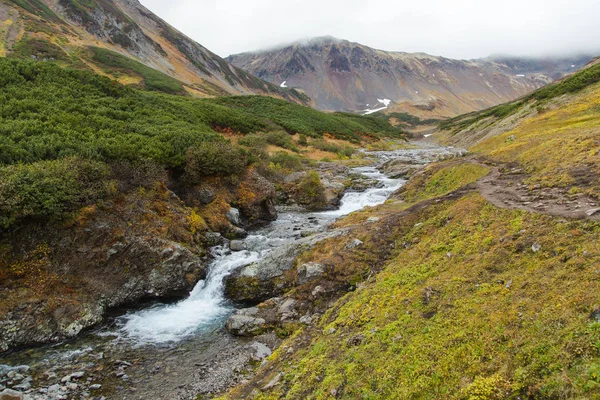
{"points": [[504, 187]]}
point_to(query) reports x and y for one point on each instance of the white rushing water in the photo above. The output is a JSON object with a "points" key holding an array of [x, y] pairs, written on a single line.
{"points": [[206, 305]]}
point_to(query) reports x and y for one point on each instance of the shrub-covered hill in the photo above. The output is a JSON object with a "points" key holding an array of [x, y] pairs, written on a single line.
{"points": [[62, 130], [48, 113]]}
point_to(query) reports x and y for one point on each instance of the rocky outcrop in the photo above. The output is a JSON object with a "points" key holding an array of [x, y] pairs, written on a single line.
{"points": [[61, 280], [266, 278]]}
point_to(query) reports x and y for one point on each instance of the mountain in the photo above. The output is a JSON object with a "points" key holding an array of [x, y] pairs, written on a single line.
{"points": [[340, 75], [124, 40]]}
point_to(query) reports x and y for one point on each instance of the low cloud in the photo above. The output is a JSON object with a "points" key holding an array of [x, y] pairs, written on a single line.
{"points": [[457, 29]]}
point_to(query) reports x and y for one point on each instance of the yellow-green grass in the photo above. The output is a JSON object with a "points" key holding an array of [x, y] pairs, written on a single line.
{"points": [[559, 146], [466, 310], [440, 179]]}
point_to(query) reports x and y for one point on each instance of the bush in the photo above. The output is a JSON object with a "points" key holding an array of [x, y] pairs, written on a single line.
{"points": [[254, 141], [311, 192], [287, 161], [281, 139], [303, 140], [49, 189], [214, 158]]}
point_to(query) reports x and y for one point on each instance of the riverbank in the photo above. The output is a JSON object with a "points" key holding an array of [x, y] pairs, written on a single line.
{"points": [[137, 357]]}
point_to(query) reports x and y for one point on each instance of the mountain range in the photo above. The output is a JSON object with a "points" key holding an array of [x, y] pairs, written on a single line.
{"points": [[343, 76], [124, 40]]}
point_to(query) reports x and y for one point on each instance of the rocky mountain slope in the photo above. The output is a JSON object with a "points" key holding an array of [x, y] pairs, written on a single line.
{"points": [[122, 39], [340, 75]]}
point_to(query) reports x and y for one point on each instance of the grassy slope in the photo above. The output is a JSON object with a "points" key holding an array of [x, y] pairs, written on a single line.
{"points": [[466, 309]]}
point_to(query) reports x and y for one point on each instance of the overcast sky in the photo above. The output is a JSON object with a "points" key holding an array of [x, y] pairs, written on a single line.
{"points": [[451, 28]]}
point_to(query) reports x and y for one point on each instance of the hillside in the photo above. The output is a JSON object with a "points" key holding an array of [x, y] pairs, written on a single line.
{"points": [[110, 194], [124, 40], [340, 75], [491, 290]]}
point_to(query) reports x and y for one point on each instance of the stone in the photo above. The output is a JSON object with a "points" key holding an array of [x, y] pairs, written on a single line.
{"points": [[237, 245], [8, 394], [354, 244], [243, 325], [536, 247], [77, 375], [23, 386], [214, 238], [287, 309], [273, 382], [261, 351], [373, 219], [355, 340], [317, 291], [238, 233], [72, 386], [592, 212], [310, 271], [306, 320], [233, 216]]}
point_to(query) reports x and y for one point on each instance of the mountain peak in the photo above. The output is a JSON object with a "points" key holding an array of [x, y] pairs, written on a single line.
{"points": [[340, 75]]}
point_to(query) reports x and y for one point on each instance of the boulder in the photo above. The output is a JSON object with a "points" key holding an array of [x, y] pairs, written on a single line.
{"points": [[309, 272], [237, 245], [233, 216], [245, 323]]}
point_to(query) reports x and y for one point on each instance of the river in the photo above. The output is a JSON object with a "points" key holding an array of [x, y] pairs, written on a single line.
{"points": [[178, 350]]}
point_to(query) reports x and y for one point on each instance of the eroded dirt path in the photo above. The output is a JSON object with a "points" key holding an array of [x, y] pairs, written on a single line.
{"points": [[505, 187]]}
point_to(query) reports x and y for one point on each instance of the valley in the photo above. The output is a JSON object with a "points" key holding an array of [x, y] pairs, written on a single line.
{"points": [[319, 219]]}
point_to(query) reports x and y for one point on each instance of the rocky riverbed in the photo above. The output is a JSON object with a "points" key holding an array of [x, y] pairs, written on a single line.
{"points": [[183, 349]]}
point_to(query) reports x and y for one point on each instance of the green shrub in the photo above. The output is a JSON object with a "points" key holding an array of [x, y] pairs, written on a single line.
{"points": [[214, 158], [254, 141], [281, 139], [287, 161], [49, 189], [311, 192], [303, 140]]}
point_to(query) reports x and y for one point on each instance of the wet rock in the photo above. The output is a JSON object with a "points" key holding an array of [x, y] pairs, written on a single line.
{"points": [[237, 245], [238, 233], [233, 216], [23, 386], [258, 209], [261, 281], [310, 271], [214, 239]]}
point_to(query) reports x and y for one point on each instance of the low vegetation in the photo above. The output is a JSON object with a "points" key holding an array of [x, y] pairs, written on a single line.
{"points": [[117, 64], [52, 116], [572, 84], [466, 310]]}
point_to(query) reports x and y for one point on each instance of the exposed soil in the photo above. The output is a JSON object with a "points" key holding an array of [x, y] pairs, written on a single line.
{"points": [[505, 187]]}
